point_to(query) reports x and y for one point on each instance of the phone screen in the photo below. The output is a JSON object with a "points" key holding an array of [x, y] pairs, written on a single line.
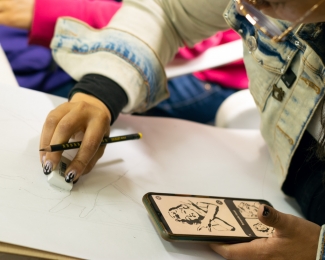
{"points": [[210, 216]]}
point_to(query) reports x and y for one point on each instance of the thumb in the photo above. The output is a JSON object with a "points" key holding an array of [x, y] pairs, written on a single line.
{"points": [[273, 218]]}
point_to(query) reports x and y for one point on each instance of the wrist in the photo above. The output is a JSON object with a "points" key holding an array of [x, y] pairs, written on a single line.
{"points": [[106, 90]]}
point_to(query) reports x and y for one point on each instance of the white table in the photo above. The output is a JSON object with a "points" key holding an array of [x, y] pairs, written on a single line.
{"points": [[103, 217], [6, 75], [211, 58]]}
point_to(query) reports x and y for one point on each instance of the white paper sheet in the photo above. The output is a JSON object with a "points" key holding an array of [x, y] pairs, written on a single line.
{"points": [[103, 216], [211, 58]]}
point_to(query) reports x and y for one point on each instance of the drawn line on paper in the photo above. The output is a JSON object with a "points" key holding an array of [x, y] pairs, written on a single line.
{"points": [[92, 201], [65, 202], [20, 119]]}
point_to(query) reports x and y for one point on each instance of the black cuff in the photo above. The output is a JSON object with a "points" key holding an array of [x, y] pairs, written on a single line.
{"points": [[106, 90]]}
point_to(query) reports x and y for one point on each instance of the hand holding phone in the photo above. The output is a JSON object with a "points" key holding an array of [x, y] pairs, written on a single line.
{"points": [[205, 219]]}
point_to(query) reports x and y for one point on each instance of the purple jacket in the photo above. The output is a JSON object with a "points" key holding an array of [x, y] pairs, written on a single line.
{"points": [[33, 65]]}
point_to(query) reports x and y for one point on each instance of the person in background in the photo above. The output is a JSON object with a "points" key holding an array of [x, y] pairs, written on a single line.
{"points": [[26, 43], [194, 97]]}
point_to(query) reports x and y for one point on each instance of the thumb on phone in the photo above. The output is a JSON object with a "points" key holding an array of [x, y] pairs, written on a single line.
{"points": [[271, 217], [281, 222], [285, 225]]}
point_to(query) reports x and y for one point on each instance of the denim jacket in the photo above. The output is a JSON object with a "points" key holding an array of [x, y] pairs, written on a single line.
{"points": [[286, 79]]}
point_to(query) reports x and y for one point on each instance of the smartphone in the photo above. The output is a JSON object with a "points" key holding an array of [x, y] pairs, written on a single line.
{"points": [[195, 218]]}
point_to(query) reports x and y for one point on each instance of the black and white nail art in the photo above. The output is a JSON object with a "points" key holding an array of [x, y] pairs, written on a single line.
{"points": [[70, 176], [47, 169]]}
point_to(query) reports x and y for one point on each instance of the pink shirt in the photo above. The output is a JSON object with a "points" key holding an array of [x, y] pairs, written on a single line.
{"points": [[232, 75], [97, 13]]}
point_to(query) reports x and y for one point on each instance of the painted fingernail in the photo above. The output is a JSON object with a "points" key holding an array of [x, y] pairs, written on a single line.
{"points": [[74, 182], [70, 176], [266, 211], [47, 169]]}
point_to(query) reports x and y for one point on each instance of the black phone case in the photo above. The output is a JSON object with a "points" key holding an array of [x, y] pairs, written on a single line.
{"points": [[162, 227]]}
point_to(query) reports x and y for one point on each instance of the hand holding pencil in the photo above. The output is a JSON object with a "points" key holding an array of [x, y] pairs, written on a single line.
{"points": [[83, 113]]}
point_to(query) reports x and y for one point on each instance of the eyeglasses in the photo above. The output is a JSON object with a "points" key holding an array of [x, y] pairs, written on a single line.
{"points": [[264, 24]]}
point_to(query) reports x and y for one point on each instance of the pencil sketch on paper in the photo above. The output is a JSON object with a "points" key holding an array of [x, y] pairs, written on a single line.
{"points": [[97, 198]]}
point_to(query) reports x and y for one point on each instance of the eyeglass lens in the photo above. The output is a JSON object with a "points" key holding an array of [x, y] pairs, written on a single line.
{"points": [[255, 16]]}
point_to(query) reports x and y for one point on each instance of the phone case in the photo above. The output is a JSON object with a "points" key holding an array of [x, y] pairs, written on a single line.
{"points": [[192, 229]]}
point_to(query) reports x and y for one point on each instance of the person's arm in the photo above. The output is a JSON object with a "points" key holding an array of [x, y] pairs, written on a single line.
{"points": [[46, 12], [140, 39], [131, 53]]}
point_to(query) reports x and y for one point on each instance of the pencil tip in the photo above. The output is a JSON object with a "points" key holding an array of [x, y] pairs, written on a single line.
{"points": [[140, 134]]}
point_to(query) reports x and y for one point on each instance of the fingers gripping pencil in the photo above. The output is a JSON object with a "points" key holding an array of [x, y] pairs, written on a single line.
{"points": [[57, 177]]}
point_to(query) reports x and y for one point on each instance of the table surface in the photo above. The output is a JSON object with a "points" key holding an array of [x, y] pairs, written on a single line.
{"points": [[6, 75], [10, 251], [103, 216]]}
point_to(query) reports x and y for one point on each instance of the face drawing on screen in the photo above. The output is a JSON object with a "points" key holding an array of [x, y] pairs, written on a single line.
{"points": [[202, 214], [248, 210]]}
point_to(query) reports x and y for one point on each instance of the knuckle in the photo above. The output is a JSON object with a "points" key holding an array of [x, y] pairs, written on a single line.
{"points": [[103, 117], [52, 119], [82, 105], [64, 126], [91, 145], [79, 164]]}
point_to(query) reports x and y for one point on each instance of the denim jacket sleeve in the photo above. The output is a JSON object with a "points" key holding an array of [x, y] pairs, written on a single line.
{"points": [[133, 49], [321, 245]]}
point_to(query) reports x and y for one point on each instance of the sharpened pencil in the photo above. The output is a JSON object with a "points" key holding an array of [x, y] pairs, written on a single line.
{"points": [[75, 145]]}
